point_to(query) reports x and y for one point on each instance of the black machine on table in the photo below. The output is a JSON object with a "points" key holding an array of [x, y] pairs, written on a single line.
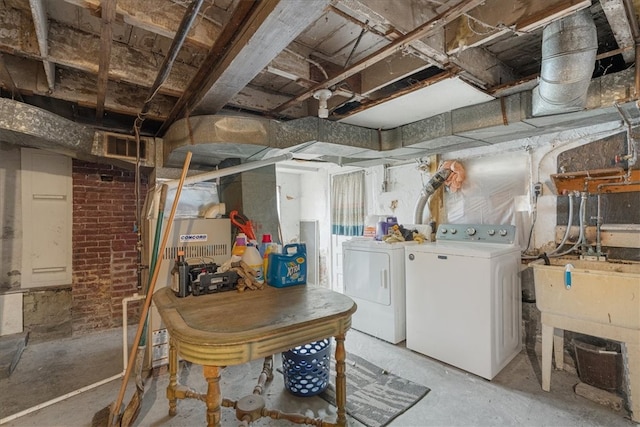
{"points": [[202, 279]]}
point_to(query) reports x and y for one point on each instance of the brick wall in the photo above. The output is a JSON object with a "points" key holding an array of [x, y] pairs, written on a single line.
{"points": [[104, 245]]}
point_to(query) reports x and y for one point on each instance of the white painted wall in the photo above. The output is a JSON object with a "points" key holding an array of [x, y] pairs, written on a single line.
{"points": [[288, 185], [542, 153], [399, 196], [497, 189]]}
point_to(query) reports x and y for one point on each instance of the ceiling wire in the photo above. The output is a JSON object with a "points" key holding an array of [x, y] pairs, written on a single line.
{"points": [[490, 28], [355, 46]]}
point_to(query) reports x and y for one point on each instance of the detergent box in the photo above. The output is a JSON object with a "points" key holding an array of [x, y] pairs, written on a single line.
{"points": [[288, 268]]}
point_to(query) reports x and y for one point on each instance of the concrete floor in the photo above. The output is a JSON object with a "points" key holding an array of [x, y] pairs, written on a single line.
{"points": [[513, 398]]}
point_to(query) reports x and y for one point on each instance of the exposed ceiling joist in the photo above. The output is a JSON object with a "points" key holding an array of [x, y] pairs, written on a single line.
{"points": [[477, 65], [423, 30], [165, 19], [202, 82], [106, 40], [268, 57], [261, 41], [7, 80], [496, 17], [617, 17], [39, 14]]}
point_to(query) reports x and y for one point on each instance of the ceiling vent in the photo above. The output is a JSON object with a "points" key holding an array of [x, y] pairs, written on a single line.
{"points": [[124, 146]]}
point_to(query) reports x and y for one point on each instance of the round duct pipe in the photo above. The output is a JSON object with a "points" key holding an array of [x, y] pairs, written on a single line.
{"points": [[434, 183], [569, 48]]}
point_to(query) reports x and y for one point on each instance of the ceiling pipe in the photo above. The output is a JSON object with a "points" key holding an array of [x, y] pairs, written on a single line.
{"points": [[189, 17], [207, 176], [569, 48]]}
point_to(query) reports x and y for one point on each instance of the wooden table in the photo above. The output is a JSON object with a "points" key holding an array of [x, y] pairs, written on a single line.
{"points": [[232, 328]]}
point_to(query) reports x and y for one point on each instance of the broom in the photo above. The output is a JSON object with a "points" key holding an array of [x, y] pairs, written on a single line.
{"points": [[114, 416]]}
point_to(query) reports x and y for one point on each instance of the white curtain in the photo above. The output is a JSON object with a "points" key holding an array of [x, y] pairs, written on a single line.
{"points": [[347, 204]]}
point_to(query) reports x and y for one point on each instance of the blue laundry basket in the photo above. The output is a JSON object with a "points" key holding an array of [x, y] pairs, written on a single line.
{"points": [[306, 368]]}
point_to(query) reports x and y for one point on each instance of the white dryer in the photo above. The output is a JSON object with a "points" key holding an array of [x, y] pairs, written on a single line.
{"points": [[373, 276]]}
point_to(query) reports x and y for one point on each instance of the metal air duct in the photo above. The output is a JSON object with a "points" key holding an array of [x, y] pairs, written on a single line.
{"points": [[569, 48]]}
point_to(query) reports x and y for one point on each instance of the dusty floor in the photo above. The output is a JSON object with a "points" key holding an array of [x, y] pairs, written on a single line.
{"points": [[513, 398]]}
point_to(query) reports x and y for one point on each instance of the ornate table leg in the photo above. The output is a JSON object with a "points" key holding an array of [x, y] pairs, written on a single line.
{"points": [[341, 380], [173, 377], [213, 399]]}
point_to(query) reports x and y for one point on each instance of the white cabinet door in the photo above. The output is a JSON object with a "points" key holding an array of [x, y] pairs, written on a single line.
{"points": [[47, 206], [367, 275]]}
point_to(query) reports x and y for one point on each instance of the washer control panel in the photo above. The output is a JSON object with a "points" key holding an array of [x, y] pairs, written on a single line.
{"points": [[489, 233]]}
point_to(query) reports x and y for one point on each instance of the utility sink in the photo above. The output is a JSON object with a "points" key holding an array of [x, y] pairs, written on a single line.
{"points": [[600, 292], [596, 298]]}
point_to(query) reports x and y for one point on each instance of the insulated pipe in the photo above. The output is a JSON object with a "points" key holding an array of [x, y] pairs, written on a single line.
{"points": [[434, 183], [188, 18], [569, 48], [229, 171]]}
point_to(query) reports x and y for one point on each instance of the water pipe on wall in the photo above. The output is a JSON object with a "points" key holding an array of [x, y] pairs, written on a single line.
{"points": [[632, 152], [125, 302]]}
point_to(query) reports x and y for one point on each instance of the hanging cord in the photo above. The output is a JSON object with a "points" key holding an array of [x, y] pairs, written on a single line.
{"points": [[138, 224], [533, 222], [190, 15]]}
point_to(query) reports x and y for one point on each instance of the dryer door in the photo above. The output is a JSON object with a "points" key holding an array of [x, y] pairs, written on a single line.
{"points": [[366, 275]]}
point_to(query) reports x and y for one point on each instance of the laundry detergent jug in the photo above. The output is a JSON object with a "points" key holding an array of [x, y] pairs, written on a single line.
{"points": [[288, 268], [383, 226]]}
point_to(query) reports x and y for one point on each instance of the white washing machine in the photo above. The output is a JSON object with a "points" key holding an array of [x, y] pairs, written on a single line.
{"points": [[373, 276], [463, 297]]}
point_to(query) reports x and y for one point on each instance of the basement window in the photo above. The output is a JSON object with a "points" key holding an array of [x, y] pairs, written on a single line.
{"points": [[124, 146]]}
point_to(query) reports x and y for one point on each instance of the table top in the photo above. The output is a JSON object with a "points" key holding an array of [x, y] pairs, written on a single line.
{"points": [[232, 327]]}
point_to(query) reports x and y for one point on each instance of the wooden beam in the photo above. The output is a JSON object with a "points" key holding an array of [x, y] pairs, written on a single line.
{"points": [[80, 87], [262, 40], [165, 19], [106, 40], [478, 65], [423, 30], [617, 17], [200, 82], [5, 77], [41, 25], [76, 49], [18, 33], [248, 44], [484, 23]]}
